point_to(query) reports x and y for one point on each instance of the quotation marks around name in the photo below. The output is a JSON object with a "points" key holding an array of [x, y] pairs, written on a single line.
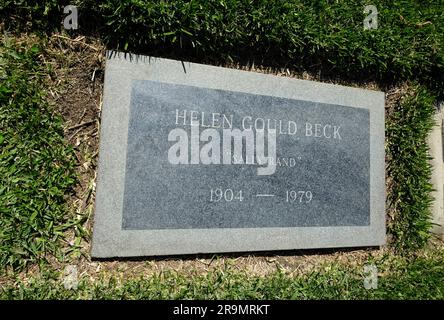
{"points": [[371, 20], [370, 277], [71, 20]]}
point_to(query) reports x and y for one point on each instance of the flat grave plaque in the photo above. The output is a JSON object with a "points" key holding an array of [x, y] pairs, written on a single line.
{"points": [[203, 159]]}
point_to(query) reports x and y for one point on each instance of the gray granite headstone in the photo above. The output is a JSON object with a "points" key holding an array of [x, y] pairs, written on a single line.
{"points": [[203, 159]]}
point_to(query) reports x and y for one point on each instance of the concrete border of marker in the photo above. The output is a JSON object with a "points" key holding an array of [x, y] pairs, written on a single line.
{"points": [[436, 144]]}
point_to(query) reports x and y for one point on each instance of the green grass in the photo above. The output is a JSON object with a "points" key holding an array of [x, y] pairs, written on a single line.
{"points": [[409, 169], [36, 164], [399, 278], [322, 35]]}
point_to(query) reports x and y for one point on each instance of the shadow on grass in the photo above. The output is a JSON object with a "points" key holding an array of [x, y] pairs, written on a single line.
{"points": [[234, 255]]}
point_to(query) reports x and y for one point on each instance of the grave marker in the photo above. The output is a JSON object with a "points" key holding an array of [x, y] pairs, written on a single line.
{"points": [[203, 159]]}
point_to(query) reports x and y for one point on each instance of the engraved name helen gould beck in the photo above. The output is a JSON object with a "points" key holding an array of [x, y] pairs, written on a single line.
{"points": [[203, 159]]}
